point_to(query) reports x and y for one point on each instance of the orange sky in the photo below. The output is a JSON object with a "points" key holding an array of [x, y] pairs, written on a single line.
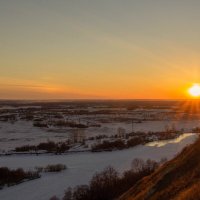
{"points": [[99, 49]]}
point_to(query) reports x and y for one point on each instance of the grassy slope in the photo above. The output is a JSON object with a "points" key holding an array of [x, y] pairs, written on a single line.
{"points": [[178, 179]]}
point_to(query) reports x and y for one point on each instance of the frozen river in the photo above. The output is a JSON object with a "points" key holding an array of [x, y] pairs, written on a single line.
{"points": [[81, 167]]}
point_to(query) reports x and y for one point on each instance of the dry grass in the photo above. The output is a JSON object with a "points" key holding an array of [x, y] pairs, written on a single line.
{"points": [[178, 179], [191, 193]]}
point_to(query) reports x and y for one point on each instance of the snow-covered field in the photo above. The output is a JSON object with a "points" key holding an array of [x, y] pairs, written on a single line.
{"points": [[23, 132], [21, 125], [81, 167]]}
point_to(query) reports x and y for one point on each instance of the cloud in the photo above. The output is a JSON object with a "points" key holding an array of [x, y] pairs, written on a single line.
{"points": [[22, 86]]}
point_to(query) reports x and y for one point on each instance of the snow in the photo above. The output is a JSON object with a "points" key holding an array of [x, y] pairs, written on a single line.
{"points": [[23, 132], [81, 167]]}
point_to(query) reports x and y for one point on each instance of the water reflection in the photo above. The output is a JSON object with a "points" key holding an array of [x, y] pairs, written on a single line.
{"points": [[172, 141]]}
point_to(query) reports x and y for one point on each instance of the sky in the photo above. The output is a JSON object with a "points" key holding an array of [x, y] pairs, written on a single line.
{"points": [[99, 49]]}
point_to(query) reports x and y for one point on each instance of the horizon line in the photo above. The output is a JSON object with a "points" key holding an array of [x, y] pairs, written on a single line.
{"points": [[101, 99]]}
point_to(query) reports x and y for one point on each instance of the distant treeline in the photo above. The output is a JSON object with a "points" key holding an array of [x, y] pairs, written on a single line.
{"points": [[49, 146], [11, 177], [135, 139], [60, 123], [51, 168], [92, 103], [118, 144]]}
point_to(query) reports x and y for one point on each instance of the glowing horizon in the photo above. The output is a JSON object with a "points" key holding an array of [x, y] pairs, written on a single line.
{"points": [[99, 49]]}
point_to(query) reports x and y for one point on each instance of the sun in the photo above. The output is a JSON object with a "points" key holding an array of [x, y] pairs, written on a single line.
{"points": [[195, 90]]}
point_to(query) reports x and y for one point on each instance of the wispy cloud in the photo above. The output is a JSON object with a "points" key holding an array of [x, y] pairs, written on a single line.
{"points": [[22, 86]]}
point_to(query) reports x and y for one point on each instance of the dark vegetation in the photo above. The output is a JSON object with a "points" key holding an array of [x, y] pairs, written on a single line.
{"points": [[59, 123], [109, 184], [110, 143], [50, 147], [178, 179], [46, 113], [51, 168], [8, 118], [10, 177], [133, 139], [79, 104], [117, 144], [62, 123], [196, 130], [40, 124]]}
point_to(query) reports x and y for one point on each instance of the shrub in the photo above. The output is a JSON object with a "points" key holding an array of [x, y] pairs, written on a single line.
{"points": [[49, 146], [26, 148], [11, 177], [109, 145], [55, 168], [54, 198], [135, 141], [108, 185]]}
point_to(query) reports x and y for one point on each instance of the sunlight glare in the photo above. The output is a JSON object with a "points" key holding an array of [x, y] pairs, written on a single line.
{"points": [[195, 90]]}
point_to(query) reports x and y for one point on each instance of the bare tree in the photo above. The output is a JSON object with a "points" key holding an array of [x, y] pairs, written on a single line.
{"points": [[54, 198], [137, 165], [68, 194]]}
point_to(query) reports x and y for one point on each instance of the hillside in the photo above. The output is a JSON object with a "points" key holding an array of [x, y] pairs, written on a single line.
{"points": [[178, 179]]}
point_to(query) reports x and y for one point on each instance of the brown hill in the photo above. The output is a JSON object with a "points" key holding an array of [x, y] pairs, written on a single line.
{"points": [[178, 179]]}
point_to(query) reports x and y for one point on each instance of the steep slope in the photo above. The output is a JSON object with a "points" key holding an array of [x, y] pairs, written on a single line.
{"points": [[178, 179]]}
